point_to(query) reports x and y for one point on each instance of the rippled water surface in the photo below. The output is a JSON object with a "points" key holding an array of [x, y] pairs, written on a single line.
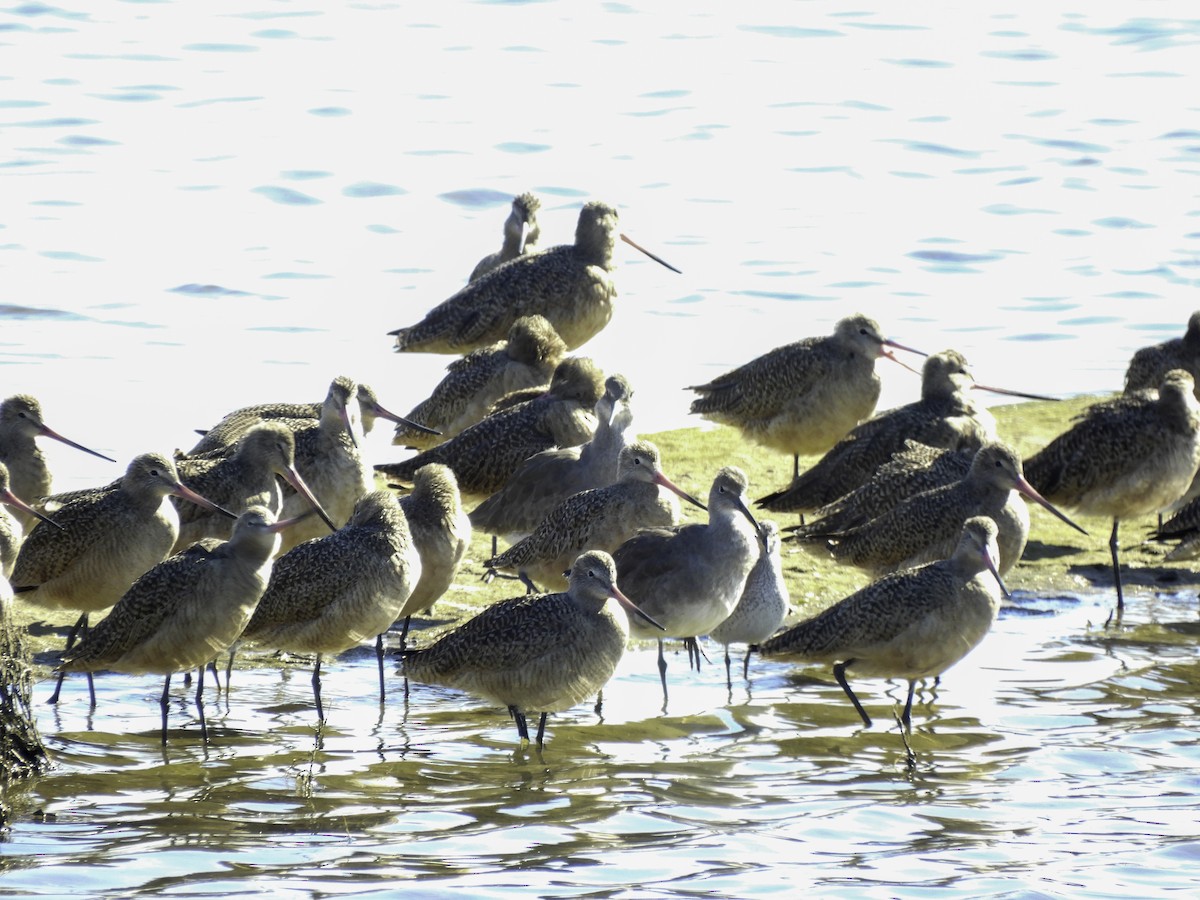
{"points": [[209, 205], [1058, 759]]}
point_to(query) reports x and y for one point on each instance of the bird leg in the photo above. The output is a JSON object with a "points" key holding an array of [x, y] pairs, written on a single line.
{"points": [[163, 705], [200, 703], [229, 668], [1114, 546], [316, 684], [403, 647], [695, 653], [530, 587], [522, 727], [839, 672], [728, 676], [906, 717], [598, 709], [541, 732], [81, 622], [662, 672], [746, 665], [379, 659]]}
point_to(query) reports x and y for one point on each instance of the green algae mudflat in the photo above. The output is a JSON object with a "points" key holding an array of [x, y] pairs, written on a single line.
{"points": [[1056, 560]]}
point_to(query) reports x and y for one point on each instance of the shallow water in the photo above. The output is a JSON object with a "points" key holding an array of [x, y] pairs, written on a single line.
{"points": [[209, 205], [1058, 759]]}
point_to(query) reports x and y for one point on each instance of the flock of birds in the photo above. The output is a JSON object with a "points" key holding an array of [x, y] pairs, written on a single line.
{"points": [[273, 530]]}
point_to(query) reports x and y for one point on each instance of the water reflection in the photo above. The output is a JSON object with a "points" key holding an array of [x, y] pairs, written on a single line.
{"points": [[1054, 749]]}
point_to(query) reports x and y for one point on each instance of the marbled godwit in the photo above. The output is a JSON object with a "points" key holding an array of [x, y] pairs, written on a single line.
{"points": [[926, 527], [520, 234], [570, 285], [913, 624], [911, 471], [763, 606], [103, 542], [1130, 457], [548, 478], [329, 459], [804, 397], [945, 416], [537, 653], [597, 519], [20, 424], [248, 477], [185, 610], [690, 577], [525, 359], [328, 595], [1150, 365], [11, 530], [485, 455], [233, 425], [441, 530], [1183, 526]]}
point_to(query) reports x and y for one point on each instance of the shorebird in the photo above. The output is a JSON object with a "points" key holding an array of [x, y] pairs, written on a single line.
{"points": [[525, 359], [548, 478], [441, 530], [913, 624], [103, 542], [911, 471], [520, 234], [248, 477], [597, 519], [763, 606], [536, 653], [330, 594], [233, 425], [571, 285], [926, 527], [690, 577], [1150, 365], [1132, 456], [1183, 526], [20, 424], [184, 610], [329, 458], [803, 397], [945, 416], [485, 455], [11, 530]]}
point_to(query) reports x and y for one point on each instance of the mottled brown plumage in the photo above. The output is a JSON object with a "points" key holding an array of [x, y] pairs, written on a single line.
{"points": [[186, 609], [1130, 457], [104, 541], [525, 359], [1150, 365], [11, 530], [945, 416], [20, 424], [927, 526], [537, 653], [596, 519], [546, 479], [233, 425], [521, 232], [913, 624], [328, 595], [911, 471], [485, 455], [249, 476], [570, 285], [803, 397]]}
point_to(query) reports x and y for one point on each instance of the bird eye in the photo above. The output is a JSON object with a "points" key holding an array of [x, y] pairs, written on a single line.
{"points": [[862, 331], [591, 573]]}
